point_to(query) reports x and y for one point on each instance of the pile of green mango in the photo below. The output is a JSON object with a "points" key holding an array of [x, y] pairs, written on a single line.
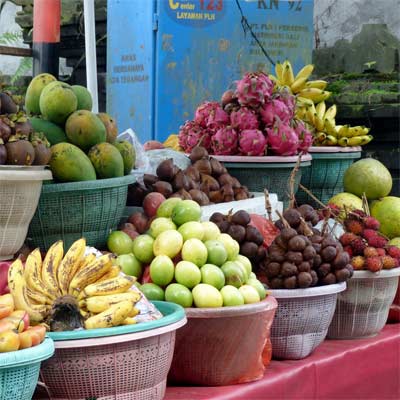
{"points": [[84, 144]]}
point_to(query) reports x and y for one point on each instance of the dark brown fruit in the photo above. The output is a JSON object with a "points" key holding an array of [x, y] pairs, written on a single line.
{"points": [[216, 196], [328, 253], [249, 249], [350, 268], [315, 220], [225, 179], [290, 283], [42, 154], [149, 179], [223, 226], [304, 267], [254, 235], [3, 154], [317, 247], [294, 257], [305, 209], [23, 128], [217, 168], [261, 253], [192, 184], [180, 181], [288, 269], [281, 243], [235, 183], [140, 221], [288, 233], [192, 173], [304, 279], [166, 170], [164, 188], [211, 183], [316, 238], [279, 224], [342, 274], [341, 260], [309, 253], [5, 131], [240, 194], [203, 166], [276, 253], [276, 283], [20, 152], [237, 232], [217, 217], [297, 243], [329, 279], [329, 241], [314, 277], [7, 103], [198, 153], [185, 194], [136, 193], [272, 270], [323, 270], [177, 195], [241, 218], [317, 261], [292, 216], [199, 197]]}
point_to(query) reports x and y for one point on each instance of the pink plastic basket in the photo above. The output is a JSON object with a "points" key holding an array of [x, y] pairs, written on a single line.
{"points": [[223, 346]]}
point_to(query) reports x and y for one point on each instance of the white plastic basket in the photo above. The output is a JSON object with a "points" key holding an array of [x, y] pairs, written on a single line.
{"points": [[302, 319], [362, 309]]}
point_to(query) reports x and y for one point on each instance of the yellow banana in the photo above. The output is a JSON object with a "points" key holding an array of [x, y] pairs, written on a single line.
{"points": [[320, 137], [331, 112], [343, 142], [135, 311], [319, 84], [355, 131], [301, 113], [274, 79], [116, 285], [366, 130], [320, 109], [279, 71], [36, 297], [32, 275], [112, 273], [129, 321], [50, 266], [70, 264], [329, 126], [319, 123], [113, 316], [330, 141], [305, 72], [17, 286], [314, 94], [304, 101], [298, 85], [98, 304], [90, 274], [287, 74], [310, 114], [359, 140], [342, 131], [85, 314], [366, 139]]}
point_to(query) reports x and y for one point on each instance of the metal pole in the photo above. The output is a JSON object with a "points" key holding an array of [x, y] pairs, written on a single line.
{"points": [[90, 49], [46, 36]]}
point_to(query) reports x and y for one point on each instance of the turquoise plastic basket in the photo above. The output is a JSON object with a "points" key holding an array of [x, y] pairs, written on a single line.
{"points": [[19, 371], [69, 211], [273, 176], [324, 177]]}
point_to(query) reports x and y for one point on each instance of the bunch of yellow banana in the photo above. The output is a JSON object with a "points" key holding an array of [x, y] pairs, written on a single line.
{"points": [[104, 295], [299, 84], [326, 132], [172, 142]]}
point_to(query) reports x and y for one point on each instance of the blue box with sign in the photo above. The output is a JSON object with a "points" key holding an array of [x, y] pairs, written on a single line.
{"points": [[164, 57]]}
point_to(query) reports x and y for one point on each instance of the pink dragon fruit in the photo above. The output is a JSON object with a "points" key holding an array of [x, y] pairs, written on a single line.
{"points": [[225, 141], [253, 89], [244, 118], [252, 142], [304, 135], [289, 100], [192, 134], [210, 115], [282, 139], [275, 108]]}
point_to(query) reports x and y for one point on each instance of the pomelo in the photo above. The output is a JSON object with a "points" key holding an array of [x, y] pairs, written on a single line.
{"points": [[395, 242], [368, 176], [348, 200], [387, 212]]}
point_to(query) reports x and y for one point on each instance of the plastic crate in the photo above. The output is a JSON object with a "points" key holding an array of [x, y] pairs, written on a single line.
{"points": [[302, 319], [324, 177], [19, 371], [69, 211], [362, 310], [132, 362]]}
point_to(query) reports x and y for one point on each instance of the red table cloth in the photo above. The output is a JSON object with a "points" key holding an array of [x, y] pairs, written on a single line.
{"points": [[338, 369]]}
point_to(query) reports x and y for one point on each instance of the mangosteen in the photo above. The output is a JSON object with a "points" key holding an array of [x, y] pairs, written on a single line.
{"points": [[241, 218], [3, 153], [5, 130], [7, 103], [20, 152]]}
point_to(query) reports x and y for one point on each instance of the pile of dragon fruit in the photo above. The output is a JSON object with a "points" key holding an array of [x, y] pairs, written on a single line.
{"points": [[253, 120]]}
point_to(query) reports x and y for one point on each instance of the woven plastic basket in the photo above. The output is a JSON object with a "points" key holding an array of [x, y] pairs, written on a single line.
{"points": [[302, 320], [223, 346], [273, 173], [19, 371], [69, 211], [132, 363], [362, 309], [19, 196], [324, 177]]}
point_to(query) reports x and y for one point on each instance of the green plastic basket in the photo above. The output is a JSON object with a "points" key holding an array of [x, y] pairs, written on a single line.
{"points": [[273, 176], [324, 178], [19, 371], [69, 211]]}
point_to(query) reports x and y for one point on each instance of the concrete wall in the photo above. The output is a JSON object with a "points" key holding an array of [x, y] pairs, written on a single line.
{"points": [[343, 19]]}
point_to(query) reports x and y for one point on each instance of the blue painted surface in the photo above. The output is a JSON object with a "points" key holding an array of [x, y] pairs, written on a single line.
{"points": [[200, 48]]}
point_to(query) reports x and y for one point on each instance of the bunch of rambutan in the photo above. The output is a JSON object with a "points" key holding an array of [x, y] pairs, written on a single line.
{"points": [[367, 247]]}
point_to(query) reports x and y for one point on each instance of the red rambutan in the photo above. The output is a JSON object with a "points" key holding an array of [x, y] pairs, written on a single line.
{"points": [[381, 252], [394, 251], [371, 223], [358, 262], [358, 247], [354, 226], [347, 238], [369, 233], [370, 252], [388, 262], [349, 250], [374, 264], [378, 242]]}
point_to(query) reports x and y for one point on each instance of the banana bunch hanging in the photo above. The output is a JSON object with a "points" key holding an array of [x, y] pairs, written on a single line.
{"points": [[299, 84], [326, 133], [52, 288]]}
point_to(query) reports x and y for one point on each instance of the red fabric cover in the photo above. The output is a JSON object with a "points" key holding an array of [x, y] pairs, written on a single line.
{"points": [[4, 265], [394, 312], [338, 369]]}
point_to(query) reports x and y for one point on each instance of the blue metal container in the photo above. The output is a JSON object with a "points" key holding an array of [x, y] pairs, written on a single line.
{"points": [[164, 57]]}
